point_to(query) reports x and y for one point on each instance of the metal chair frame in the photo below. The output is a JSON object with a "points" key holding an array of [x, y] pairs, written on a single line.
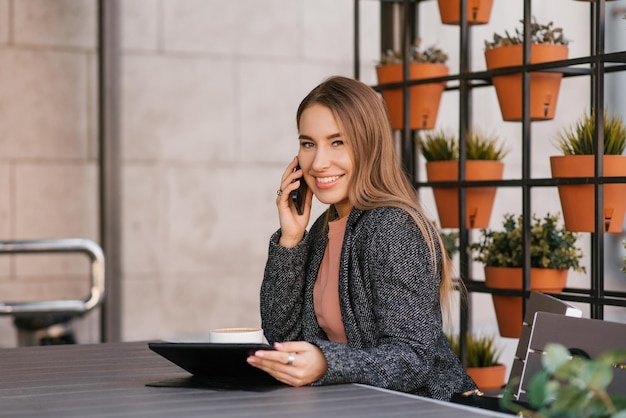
{"points": [[63, 245]]}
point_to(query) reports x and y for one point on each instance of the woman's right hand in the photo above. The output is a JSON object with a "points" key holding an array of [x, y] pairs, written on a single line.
{"points": [[292, 225]]}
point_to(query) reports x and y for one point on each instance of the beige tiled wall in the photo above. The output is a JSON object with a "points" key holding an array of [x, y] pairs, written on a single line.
{"points": [[57, 23], [6, 227], [4, 21], [208, 100]]}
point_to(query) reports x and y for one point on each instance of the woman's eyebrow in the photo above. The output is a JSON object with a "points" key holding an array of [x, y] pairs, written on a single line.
{"points": [[331, 136]]}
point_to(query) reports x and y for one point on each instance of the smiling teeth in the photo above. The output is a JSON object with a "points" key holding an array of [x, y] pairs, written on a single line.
{"points": [[327, 179]]}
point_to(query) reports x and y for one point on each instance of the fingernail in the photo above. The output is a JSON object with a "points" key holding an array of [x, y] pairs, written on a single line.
{"points": [[278, 345]]}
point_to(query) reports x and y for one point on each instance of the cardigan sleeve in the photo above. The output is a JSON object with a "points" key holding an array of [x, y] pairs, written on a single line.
{"points": [[400, 278], [282, 290]]}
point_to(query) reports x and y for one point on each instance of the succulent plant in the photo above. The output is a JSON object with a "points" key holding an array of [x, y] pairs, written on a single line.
{"points": [[431, 55], [539, 34]]}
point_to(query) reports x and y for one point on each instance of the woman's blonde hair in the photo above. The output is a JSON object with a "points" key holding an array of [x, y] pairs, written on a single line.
{"points": [[378, 178]]}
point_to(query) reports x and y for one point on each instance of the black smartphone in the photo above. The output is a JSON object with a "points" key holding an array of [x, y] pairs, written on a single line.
{"points": [[298, 196]]}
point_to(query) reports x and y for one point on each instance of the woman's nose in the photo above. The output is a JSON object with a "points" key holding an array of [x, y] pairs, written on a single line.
{"points": [[321, 161]]}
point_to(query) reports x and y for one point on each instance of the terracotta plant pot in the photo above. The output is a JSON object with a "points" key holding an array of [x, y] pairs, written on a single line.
{"points": [[544, 86], [488, 378], [509, 308], [478, 11], [424, 98], [578, 200], [478, 200]]}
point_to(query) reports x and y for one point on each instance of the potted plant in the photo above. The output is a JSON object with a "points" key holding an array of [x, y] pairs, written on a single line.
{"points": [[553, 252], [478, 11], [483, 364], [424, 98], [578, 146], [547, 44], [451, 243], [483, 162], [571, 386]]}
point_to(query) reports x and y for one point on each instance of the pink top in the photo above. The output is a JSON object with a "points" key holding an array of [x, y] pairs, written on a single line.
{"points": [[326, 290]]}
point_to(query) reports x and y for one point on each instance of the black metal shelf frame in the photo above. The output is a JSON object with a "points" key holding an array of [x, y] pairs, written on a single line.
{"points": [[595, 66]]}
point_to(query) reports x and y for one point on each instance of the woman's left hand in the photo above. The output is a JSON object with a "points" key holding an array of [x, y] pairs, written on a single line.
{"points": [[296, 363]]}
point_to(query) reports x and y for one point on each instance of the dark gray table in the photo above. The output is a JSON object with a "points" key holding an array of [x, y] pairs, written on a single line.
{"points": [[109, 380]]}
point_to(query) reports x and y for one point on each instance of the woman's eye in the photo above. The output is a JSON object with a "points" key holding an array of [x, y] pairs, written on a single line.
{"points": [[337, 143], [306, 144]]}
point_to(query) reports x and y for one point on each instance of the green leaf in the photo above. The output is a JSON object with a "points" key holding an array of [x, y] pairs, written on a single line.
{"points": [[570, 398], [619, 401], [612, 357], [554, 357], [570, 370], [538, 389], [596, 376]]}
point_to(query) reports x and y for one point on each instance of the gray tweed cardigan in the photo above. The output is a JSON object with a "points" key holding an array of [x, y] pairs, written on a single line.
{"points": [[389, 300]]}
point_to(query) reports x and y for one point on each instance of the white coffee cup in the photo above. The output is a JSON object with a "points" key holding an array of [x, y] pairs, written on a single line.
{"points": [[236, 335]]}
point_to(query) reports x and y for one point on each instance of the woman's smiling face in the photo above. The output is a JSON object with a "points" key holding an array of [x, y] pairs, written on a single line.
{"points": [[325, 158]]}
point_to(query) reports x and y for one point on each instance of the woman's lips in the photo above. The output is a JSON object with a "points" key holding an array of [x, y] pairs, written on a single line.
{"points": [[326, 181]]}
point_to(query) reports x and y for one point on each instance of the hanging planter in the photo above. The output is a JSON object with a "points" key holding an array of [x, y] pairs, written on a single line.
{"points": [[578, 200], [488, 378], [482, 356], [548, 45], [553, 253], [478, 11], [478, 200], [424, 99], [483, 163], [509, 308]]}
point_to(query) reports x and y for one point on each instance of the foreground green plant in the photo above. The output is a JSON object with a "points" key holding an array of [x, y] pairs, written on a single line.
{"points": [[571, 386]]}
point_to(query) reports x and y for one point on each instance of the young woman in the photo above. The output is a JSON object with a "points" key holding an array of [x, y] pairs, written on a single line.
{"points": [[359, 298]]}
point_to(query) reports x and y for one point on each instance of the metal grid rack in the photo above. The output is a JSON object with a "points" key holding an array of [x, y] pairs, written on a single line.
{"points": [[594, 66]]}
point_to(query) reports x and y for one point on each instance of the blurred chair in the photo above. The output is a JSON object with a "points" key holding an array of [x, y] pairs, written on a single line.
{"points": [[537, 302], [50, 322], [582, 336], [518, 377]]}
